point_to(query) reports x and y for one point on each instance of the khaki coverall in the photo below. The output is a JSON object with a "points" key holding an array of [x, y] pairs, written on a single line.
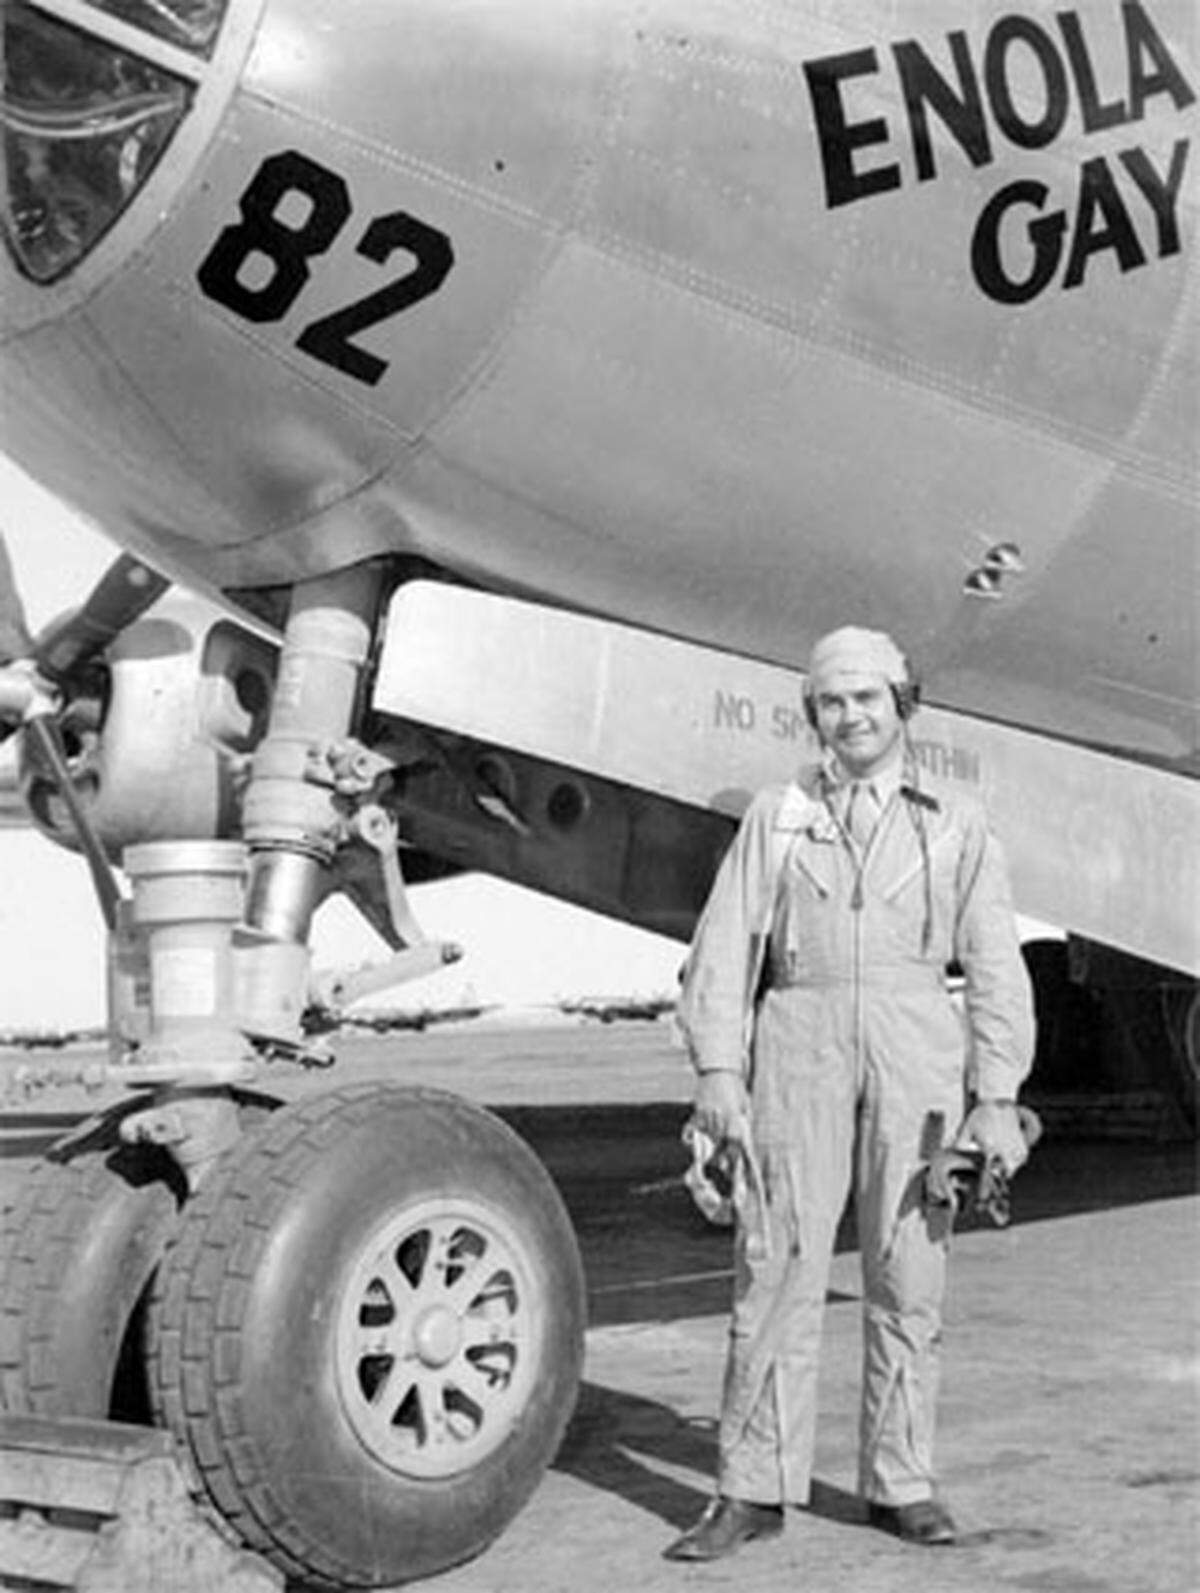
{"points": [[817, 970]]}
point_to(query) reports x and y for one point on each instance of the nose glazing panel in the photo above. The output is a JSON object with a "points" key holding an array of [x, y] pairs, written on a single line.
{"points": [[188, 24], [84, 124]]}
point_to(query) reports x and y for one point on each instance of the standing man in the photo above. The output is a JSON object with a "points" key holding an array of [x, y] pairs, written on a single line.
{"points": [[830, 1054]]}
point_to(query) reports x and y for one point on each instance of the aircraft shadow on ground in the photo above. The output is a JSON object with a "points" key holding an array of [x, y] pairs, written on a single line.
{"points": [[617, 1442], [620, 1442], [649, 1255]]}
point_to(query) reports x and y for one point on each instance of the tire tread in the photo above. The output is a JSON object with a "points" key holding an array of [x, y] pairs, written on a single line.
{"points": [[202, 1291]]}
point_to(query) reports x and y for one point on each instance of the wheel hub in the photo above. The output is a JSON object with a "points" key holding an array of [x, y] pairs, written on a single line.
{"points": [[436, 1336]]}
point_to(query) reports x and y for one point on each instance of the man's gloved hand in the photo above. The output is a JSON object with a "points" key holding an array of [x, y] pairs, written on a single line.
{"points": [[995, 1126], [721, 1108], [709, 1178]]}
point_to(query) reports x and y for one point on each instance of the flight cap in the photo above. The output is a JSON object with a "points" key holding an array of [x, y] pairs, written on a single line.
{"points": [[854, 650]]}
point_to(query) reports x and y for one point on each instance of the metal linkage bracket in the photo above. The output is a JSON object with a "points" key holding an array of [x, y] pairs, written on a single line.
{"points": [[418, 955], [377, 828], [340, 990]]}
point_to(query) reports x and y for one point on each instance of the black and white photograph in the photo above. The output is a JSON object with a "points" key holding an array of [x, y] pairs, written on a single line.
{"points": [[599, 796]]}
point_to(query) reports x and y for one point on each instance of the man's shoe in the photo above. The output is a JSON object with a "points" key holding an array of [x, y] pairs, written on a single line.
{"points": [[725, 1525], [925, 1522]]}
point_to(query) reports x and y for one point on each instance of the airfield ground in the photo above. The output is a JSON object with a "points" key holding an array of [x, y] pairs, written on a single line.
{"points": [[1070, 1432]]}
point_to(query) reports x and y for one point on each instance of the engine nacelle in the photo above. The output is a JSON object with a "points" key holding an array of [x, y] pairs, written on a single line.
{"points": [[161, 750]]}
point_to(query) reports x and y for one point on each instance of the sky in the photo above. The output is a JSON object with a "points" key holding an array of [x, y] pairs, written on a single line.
{"points": [[521, 950]]}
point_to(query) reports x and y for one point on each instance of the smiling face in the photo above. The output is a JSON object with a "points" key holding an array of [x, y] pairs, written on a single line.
{"points": [[858, 720]]}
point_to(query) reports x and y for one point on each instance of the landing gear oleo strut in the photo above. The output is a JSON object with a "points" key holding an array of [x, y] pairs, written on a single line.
{"points": [[360, 1316]]}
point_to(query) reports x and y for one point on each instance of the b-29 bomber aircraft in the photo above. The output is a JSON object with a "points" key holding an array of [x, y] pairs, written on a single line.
{"points": [[523, 388]]}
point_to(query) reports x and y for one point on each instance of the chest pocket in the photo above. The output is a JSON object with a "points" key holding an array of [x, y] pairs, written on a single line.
{"points": [[802, 873], [944, 850], [916, 915], [808, 924]]}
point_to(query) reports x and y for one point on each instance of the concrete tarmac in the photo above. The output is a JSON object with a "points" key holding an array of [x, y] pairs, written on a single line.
{"points": [[1069, 1439]]}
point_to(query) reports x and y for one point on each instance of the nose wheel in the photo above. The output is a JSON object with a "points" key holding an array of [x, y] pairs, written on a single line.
{"points": [[436, 1341], [368, 1334]]}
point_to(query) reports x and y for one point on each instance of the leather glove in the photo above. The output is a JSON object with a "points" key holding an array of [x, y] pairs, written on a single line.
{"points": [[995, 1126], [721, 1108], [709, 1179]]}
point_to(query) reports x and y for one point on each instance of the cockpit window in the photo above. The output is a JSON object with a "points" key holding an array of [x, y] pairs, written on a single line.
{"points": [[190, 24], [84, 124]]}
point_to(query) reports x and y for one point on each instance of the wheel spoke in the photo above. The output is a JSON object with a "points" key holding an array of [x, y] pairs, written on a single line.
{"points": [[486, 1334], [396, 1280], [431, 1401], [490, 1371], [436, 1347], [460, 1293], [380, 1384], [376, 1343], [464, 1263], [384, 1311]]}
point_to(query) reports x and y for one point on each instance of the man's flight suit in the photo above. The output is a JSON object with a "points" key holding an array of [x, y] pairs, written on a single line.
{"points": [[818, 972]]}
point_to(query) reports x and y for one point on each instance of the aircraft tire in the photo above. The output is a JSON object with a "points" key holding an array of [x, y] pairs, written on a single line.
{"points": [[368, 1333], [78, 1248]]}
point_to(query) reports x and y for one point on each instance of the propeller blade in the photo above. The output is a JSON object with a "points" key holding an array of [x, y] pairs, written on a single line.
{"points": [[46, 738], [124, 592], [15, 640]]}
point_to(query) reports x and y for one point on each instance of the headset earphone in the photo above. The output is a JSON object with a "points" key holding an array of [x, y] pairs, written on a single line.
{"points": [[906, 694]]}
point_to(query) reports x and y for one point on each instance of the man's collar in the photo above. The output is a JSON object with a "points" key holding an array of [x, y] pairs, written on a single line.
{"points": [[885, 782]]}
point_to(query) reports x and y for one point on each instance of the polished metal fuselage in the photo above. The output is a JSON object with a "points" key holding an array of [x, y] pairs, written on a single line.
{"points": [[674, 374]]}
